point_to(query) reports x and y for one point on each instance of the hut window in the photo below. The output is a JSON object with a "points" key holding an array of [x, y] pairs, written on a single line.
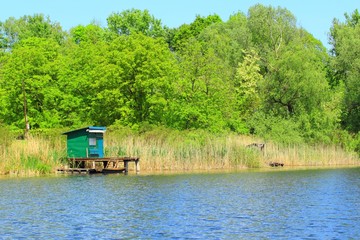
{"points": [[92, 141]]}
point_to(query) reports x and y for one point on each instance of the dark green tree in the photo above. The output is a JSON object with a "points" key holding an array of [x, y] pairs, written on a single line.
{"points": [[182, 34], [345, 40], [293, 63], [228, 39], [201, 92]]}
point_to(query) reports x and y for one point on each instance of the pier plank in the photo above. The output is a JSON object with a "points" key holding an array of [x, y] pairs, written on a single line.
{"points": [[109, 165]]}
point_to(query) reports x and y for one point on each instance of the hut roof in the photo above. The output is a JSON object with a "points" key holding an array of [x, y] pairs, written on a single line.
{"points": [[91, 129]]}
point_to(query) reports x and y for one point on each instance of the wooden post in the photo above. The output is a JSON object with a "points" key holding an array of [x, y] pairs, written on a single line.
{"points": [[126, 166], [27, 126], [137, 166]]}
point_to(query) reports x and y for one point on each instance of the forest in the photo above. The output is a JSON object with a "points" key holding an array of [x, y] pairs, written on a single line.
{"points": [[256, 74]]}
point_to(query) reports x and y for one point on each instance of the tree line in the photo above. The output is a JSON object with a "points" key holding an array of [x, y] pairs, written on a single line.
{"points": [[256, 73]]}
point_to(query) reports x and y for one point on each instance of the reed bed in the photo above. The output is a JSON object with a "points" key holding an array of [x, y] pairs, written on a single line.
{"points": [[200, 151], [309, 155], [182, 153], [36, 155], [170, 150]]}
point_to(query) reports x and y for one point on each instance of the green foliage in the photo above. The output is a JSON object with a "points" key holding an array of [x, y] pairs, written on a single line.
{"points": [[227, 39], [297, 84], [201, 92], [248, 80], [90, 33], [271, 29], [34, 164], [15, 30], [257, 73], [31, 70], [356, 144], [193, 30], [278, 129], [249, 157], [345, 38], [6, 136], [135, 21], [136, 85], [354, 19], [79, 70]]}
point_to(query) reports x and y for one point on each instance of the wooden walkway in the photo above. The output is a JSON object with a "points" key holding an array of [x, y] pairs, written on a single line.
{"points": [[101, 165]]}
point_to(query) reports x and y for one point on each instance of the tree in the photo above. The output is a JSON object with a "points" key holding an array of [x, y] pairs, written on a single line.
{"points": [[201, 92], [136, 81], [31, 70], [297, 84], [193, 30], [271, 29], [345, 39], [80, 70], [14, 30], [293, 63], [228, 39], [135, 21], [91, 33], [248, 80]]}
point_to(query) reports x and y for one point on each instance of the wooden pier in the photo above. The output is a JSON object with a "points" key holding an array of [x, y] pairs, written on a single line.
{"points": [[101, 165]]}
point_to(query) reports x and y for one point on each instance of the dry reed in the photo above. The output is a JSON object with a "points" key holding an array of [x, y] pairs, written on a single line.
{"points": [[33, 156], [181, 152], [165, 150]]}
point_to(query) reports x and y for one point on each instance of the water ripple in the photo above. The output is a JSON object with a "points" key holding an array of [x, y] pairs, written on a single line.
{"points": [[316, 204]]}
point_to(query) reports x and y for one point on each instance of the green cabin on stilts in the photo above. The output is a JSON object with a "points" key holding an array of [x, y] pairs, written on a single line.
{"points": [[85, 142]]}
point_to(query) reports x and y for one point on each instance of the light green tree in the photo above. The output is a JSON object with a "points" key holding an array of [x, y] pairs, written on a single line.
{"points": [[136, 81], [79, 72], [92, 33], [30, 71], [248, 81], [135, 21], [14, 30], [271, 29]]}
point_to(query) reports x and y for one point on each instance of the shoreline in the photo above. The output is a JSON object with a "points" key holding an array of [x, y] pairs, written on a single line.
{"points": [[24, 174], [177, 153]]}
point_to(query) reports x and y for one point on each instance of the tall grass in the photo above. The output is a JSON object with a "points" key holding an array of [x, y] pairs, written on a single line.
{"points": [[162, 149], [309, 155], [33, 156], [169, 150]]}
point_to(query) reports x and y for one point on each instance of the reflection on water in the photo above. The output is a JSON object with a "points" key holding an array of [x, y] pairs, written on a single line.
{"points": [[312, 204]]}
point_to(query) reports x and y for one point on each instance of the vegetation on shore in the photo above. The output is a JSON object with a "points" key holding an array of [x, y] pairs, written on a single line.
{"points": [[190, 97], [163, 149]]}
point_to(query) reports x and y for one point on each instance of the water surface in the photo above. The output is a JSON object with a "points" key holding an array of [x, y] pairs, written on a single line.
{"points": [[311, 204]]}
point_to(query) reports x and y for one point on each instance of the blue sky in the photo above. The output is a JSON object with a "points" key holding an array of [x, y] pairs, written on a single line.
{"points": [[314, 15]]}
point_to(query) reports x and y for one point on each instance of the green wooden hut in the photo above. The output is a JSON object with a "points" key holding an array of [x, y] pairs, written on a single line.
{"points": [[85, 142]]}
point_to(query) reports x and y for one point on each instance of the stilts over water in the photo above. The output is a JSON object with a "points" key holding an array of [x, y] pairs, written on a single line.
{"points": [[85, 153]]}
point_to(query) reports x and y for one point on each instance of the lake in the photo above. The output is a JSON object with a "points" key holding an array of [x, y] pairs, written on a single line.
{"points": [[296, 204]]}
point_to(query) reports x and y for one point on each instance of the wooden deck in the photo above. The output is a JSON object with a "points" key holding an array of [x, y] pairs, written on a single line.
{"points": [[101, 165], [77, 170]]}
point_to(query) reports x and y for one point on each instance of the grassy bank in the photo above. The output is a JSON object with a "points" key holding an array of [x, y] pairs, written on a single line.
{"points": [[172, 150], [35, 156], [169, 150]]}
